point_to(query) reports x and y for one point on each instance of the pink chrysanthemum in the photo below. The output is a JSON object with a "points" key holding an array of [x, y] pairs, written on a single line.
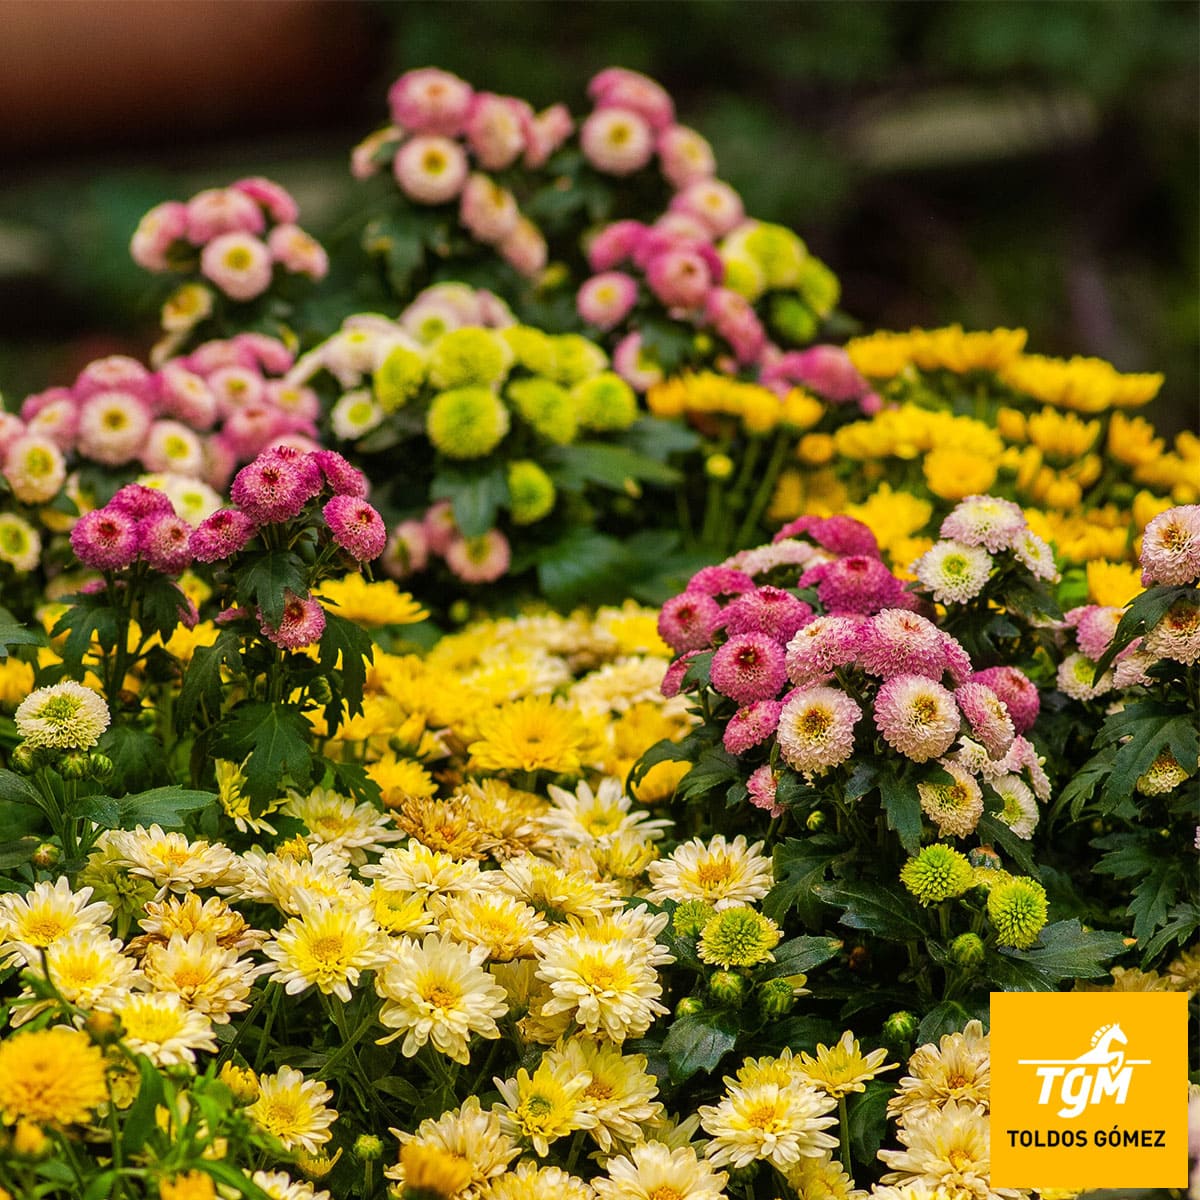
{"points": [[221, 535], [106, 539], [917, 717], [672, 683], [716, 205], [749, 667], [1094, 626], [217, 211], [156, 233], [1019, 693], [1021, 756], [239, 264], [633, 90], [616, 141], [763, 560], [482, 559], [751, 725], [688, 621], [114, 373], [734, 319], [614, 244], [298, 252], [1177, 634], [816, 728], [1171, 547], [273, 488], [839, 534], [440, 527], [857, 584], [357, 526], [187, 397], [302, 623], [684, 156], [429, 100], [720, 581], [407, 551], [112, 427], [544, 133], [525, 249], [954, 807], [605, 300], [762, 786], [769, 610], [278, 202], [487, 211], [1131, 666], [172, 446], [431, 170], [341, 476], [987, 716], [824, 644], [680, 277], [958, 661], [495, 130], [165, 543], [898, 642], [985, 521]]}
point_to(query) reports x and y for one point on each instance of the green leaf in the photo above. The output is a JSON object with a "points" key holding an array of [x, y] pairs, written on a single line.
{"points": [[163, 806], [89, 616], [715, 767], [798, 956], [698, 671], [137, 757], [202, 684], [140, 1121], [698, 1043], [902, 804], [659, 438], [273, 741], [800, 865], [232, 1177], [1144, 612], [867, 1117], [476, 494], [161, 605], [992, 829], [1183, 921], [876, 907], [264, 580], [17, 854], [614, 467], [344, 640], [862, 779], [1150, 728], [1064, 951], [17, 635], [946, 1017], [1153, 897], [1080, 787], [665, 750], [16, 789], [581, 566]]}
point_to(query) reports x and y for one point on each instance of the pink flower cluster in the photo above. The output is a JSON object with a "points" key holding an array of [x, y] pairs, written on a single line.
{"points": [[445, 138], [1171, 547], [799, 683], [237, 236], [138, 524], [413, 543], [826, 370]]}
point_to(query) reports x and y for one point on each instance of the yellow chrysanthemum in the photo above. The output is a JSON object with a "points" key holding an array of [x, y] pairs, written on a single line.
{"points": [[294, 1109], [545, 1106], [843, 1068], [1113, 584], [372, 605], [191, 1185], [533, 734], [51, 1076]]}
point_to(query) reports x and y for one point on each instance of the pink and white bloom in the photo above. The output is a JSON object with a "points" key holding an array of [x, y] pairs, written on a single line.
{"points": [[621, 88], [1171, 547], [495, 130], [821, 646], [407, 551], [688, 621], [113, 427], [614, 244], [216, 211], [544, 133], [680, 278], [524, 249], [279, 203], [816, 728], [487, 211], [986, 521], [298, 252], [239, 264], [917, 717], [430, 101], [301, 623], [749, 667], [635, 365], [430, 169], [616, 141], [684, 156], [713, 203], [172, 446], [157, 231], [482, 559], [606, 299], [357, 526], [35, 469]]}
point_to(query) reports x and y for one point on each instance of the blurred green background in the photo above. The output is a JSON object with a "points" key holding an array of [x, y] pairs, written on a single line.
{"points": [[987, 162]]}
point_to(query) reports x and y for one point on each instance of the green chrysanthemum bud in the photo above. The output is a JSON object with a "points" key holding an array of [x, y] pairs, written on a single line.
{"points": [[75, 764], [459, 612], [776, 998], [718, 466], [793, 320], [45, 855], [728, 987], [605, 402], [1017, 909], [24, 759], [398, 378], [367, 1148], [900, 1027], [738, 937], [531, 492], [937, 873], [967, 950], [814, 821], [819, 286], [546, 408], [466, 422], [469, 357], [690, 918], [101, 765], [575, 358], [689, 1006]]}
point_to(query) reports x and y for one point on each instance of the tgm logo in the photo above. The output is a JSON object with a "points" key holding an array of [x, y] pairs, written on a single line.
{"points": [[1098, 1073]]}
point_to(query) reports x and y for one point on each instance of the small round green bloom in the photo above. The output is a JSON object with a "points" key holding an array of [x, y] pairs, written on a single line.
{"points": [[776, 998], [459, 612], [718, 466], [738, 937], [778, 251], [530, 490], [900, 1027], [546, 408], [534, 350], [744, 276], [576, 358], [689, 1006], [466, 422], [605, 402], [819, 286], [792, 319], [814, 821], [367, 1148], [938, 873], [1017, 910], [467, 357], [398, 378], [690, 918], [967, 950], [728, 987]]}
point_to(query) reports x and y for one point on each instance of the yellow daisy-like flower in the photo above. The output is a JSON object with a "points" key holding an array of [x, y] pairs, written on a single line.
{"points": [[171, 862], [843, 1068], [191, 1185], [545, 1106], [1113, 584], [948, 1149], [207, 976], [399, 913], [654, 1170], [822, 1179], [88, 970], [1183, 974], [160, 1026], [766, 1121], [533, 734], [556, 894], [501, 924], [329, 946], [958, 1068], [45, 913], [469, 1135], [294, 1109], [51, 1076], [419, 870], [400, 779], [448, 826], [371, 605], [723, 874], [528, 1181], [433, 1172], [189, 914]]}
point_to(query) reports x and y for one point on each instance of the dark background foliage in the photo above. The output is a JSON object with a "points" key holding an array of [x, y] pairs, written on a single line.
{"points": [[998, 162]]}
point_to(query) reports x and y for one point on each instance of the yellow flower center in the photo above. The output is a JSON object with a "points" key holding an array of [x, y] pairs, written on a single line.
{"points": [[441, 997], [717, 870], [925, 709], [434, 161], [237, 258], [327, 948], [816, 722], [598, 1090], [115, 419], [44, 929], [666, 1192], [763, 1117], [960, 1159], [280, 1112]]}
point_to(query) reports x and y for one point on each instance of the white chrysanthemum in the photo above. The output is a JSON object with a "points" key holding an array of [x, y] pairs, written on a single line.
{"points": [[500, 923], [356, 414], [617, 686], [160, 1026], [585, 818], [1037, 555], [541, 1108], [953, 571], [604, 985], [88, 969], [723, 874], [437, 991], [954, 807], [416, 868], [43, 915], [958, 1068], [294, 1109], [171, 862], [64, 716], [290, 883], [528, 1181], [20, 543], [766, 1121], [205, 975], [556, 894], [1020, 810], [654, 1171], [950, 1150], [334, 820], [985, 521], [822, 1179], [173, 446], [279, 1185], [1077, 678], [328, 946], [193, 499]]}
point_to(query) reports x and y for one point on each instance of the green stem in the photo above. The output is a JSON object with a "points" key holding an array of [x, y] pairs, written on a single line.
{"points": [[844, 1130], [766, 489]]}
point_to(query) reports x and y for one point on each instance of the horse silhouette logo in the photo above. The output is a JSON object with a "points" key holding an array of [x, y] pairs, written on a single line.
{"points": [[1102, 1070]]}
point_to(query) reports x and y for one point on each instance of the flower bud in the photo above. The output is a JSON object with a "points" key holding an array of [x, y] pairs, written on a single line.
{"points": [[45, 855], [74, 764], [718, 466], [814, 821], [367, 1148], [984, 857], [728, 987], [689, 1006], [104, 1028], [900, 1027], [319, 690], [241, 1081], [102, 765], [24, 759], [691, 917], [776, 998], [29, 1141], [460, 612], [967, 950]]}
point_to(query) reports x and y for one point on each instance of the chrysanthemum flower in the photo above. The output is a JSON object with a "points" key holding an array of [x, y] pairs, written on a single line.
{"points": [[20, 543], [105, 539], [985, 521], [1076, 678], [418, 870], [88, 969], [763, 786], [948, 1150], [481, 559], [825, 643], [858, 584], [206, 976], [501, 924], [280, 1186], [953, 571], [937, 873], [1036, 556], [751, 725], [749, 667], [47, 912], [654, 1170], [987, 716], [954, 807], [429, 100], [1163, 775], [545, 1106], [187, 915], [917, 717], [688, 621], [766, 1121], [35, 468], [300, 624], [957, 1069], [843, 1068], [112, 427], [467, 1134], [1171, 547], [616, 141], [816, 728], [239, 264], [738, 937], [430, 169], [769, 610], [1017, 909], [275, 487], [1177, 633], [528, 1181], [64, 716], [52, 1076], [1019, 810], [328, 946], [160, 1026], [817, 1178], [171, 861], [533, 734], [1094, 627], [467, 422], [1019, 694], [221, 535], [723, 874], [294, 1109], [899, 642]]}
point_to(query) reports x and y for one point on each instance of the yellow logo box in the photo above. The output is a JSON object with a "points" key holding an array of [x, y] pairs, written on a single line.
{"points": [[1089, 1089]]}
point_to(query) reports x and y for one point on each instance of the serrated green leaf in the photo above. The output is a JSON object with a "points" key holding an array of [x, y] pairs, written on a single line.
{"points": [[714, 768], [1152, 735], [582, 566], [202, 683], [1081, 786], [799, 955], [867, 1118], [1182, 923], [17, 635], [88, 617], [1153, 897], [1144, 612], [347, 647], [476, 493], [161, 605], [1064, 951], [876, 907], [992, 829], [902, 806], [698, 1043], [947, 1017], [273, 741], [665, 750], [137, 757], [800, 865], [264, 580]]}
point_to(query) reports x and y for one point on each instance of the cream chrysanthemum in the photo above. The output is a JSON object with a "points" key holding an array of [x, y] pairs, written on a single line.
{"points": [[45, 913], [554, 893], [160, 1026], [822, 1179], [189, 914], [328, 946], [171, 862], [415, 868], [843, 1068], [954, 807], [279, 1185], [294, 1109], [504, 926], [337, 821], [954, 572], [1019, 810], [399, 913], [528, 1181], [723, 874], [958, 1068], [585, 817], [656, 1171], [65, 716], [437, 991], [766, 1121], [541, 1108], [88, 970], [468, 1134], [206, 976]]}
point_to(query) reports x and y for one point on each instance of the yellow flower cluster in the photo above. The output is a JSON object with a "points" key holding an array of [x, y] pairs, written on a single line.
{"points": [[756, 409], [885, 355], [1088, 385]]}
